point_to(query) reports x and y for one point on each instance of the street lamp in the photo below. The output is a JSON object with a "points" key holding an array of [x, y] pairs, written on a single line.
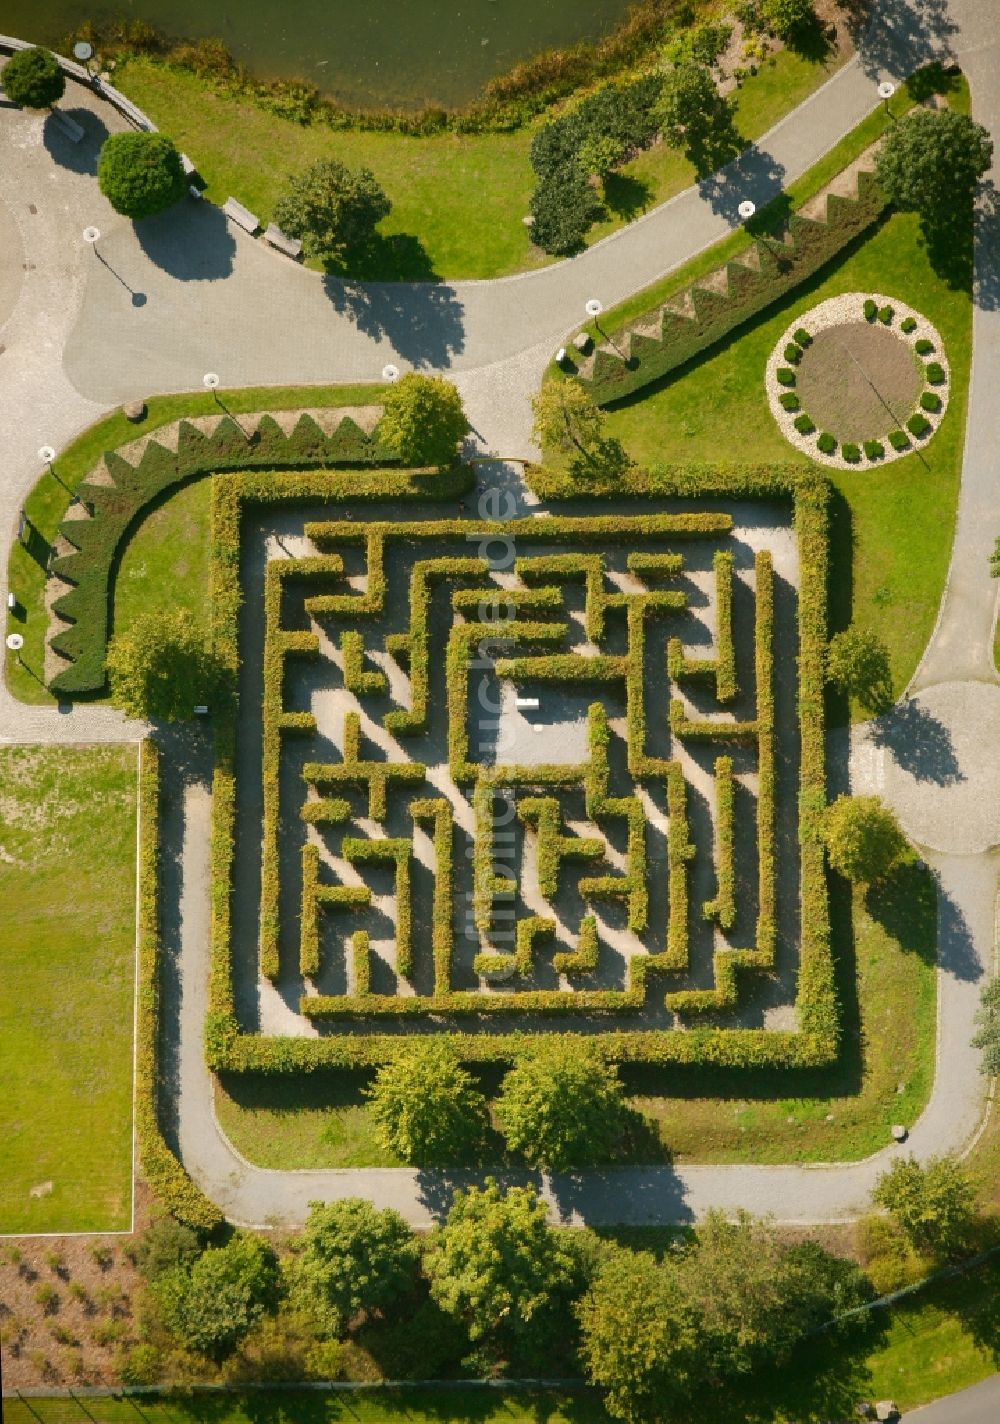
{"points": [[15, 642], [885, 92], [83, 52], [91, 234], [46, 454], [390, 372], [746, 209], [593, 308], [210, 381]]}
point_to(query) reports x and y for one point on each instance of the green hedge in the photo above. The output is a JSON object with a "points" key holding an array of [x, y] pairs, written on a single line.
{"points": [[783, 266]]}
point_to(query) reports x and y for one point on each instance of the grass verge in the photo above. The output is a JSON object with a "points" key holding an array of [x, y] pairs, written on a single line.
{"points": [[67, 945]]}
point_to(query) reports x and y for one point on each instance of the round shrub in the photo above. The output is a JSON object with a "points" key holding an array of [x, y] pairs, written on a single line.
{"points": [[850, 452], [870, 309], [885, 315], [786, 376], [935, 372], [563, 206], [923, 347], [908, 324], [874, 450], [32, 77], [793, 353], [918, 424], [826, 443], [140, 174], [930, 401], [803, 424], [789, 400], [897, 439], [802, 336]]}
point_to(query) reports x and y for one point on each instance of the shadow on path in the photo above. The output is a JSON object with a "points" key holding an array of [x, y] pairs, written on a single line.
{"points": [[424, 323], [191, 241], [756, 174], [901, 36], [957, 953], [920, 744], [77, 157]]}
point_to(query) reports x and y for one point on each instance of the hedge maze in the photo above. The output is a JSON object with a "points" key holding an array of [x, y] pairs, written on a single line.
{"points": [[498, 778]]}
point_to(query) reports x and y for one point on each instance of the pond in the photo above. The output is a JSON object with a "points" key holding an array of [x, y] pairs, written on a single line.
{"points": [[402, 53]]}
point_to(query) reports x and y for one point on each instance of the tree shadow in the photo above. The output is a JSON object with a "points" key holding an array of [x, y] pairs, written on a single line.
{"points": [[191, 241], [810, 40], [957, 953], [919, 743], [906, 907], [626, 196], [422, 322], [986, 276], [899, 38], [396, 257], [77, 157], [755, 174]]}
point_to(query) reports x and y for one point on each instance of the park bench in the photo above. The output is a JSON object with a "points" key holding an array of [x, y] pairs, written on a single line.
{"points": [[290, 246], [241, 215]]}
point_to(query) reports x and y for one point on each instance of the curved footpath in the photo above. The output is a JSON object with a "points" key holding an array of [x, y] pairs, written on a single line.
{"points": [[210, 301]]}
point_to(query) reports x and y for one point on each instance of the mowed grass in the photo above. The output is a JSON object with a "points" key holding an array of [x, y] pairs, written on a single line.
{"points": [[67, 949], [892, 527], [166, 562], [458, 199]]}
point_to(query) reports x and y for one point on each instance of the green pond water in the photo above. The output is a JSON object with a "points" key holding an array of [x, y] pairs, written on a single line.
{"points": [[367, 52]]}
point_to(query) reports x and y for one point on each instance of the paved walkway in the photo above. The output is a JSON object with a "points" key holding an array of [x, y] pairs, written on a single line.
{"points": [[183, 296], [980, 1404]]}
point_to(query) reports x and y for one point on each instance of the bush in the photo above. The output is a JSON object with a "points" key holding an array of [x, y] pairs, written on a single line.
{"points": [[934, 1205], [561, 1107], [787, 17], [930, 162], [935, 372], [885, 315], [930, 401], [164, 1245], [826, 443], [563, 207], [874, 450], [427, 1108], [351, 1258], [803, 424], [918, 425], [141, 174], [789, 401], [858, 663], [923, 347], [423, 420], [863, 839], [160, 668], [802, 337], [851, 452], [211, 1304], [898, 440], [785, 376], [33, 78], [908, 324], [330, 208], [870, 309], [987, 1038], [793, 353]]}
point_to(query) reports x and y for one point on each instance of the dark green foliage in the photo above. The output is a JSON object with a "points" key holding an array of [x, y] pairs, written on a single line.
{"points": [[918, 425], [935, 373], [211, 1304], [874, 449], [908, 324], [789, 401], [561, 1107], [351, 1258], [858, 663], [802, 336], [563, 207], [164, 1245], [330, 208], [141, 174], [785, 375], [826, 443], [803, 424], [851, 452], [870, 309], [32, 77], [987, 1038], [935, 1204], [923, 347], [930, 401], [885, 315], [792, 353], [931, 161], [787, 18], [427, 1108], [898, 439]]}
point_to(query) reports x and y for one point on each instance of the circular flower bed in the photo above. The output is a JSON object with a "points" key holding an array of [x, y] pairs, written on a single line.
{"points": [[860, 379]]}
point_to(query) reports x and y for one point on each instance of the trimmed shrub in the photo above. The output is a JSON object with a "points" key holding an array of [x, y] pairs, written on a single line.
{"points": [[785, 376], [918, 424], [870, 309], [793, 353], [923, 347], [930, 401], [802, 337], [826, 443], [33, 78], [908, 324], [874, 450], [885, 315], [789, 401], [851, 452], [935, 373], [141, 174], [563, 207], [898, 440], [803, 424]]}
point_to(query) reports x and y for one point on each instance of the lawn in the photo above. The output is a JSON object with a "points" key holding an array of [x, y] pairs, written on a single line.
{"points": [[458, 199], [884, 1075], [67, 946], [166, 563]]}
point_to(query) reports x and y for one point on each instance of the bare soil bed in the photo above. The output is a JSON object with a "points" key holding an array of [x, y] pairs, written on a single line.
{"points": [[858, 380]]}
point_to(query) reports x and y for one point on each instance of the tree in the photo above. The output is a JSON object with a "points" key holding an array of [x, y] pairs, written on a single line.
{"points": [[640, 1338], [567, 419], [690, 110], [427, 1108], [562, 207], [423, 420], [561, 1107], [988, 1037], [931, 162], [160, 667], [863, 839], [352, 1258], [330, 208], [787, 17], [165, 1244], [858, 663], [140, 174], [599, 153], [935, 1205], [212, 1303], [32, 77], [495, 1264]]}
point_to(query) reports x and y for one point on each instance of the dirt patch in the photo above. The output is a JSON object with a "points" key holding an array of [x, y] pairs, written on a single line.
{"points": [[858, 380]]}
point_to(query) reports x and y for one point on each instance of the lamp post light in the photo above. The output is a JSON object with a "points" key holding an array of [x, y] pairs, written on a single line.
{"points": [[15, 642], [885, 92], [210, 381], [390, 372], [746, 209], [83, 51], [46, 454], [91, 235]]}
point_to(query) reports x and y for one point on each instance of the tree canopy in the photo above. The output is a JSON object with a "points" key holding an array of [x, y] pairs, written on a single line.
{"points": [[140, 174], [495, 1264], [423, 420], [863, 839], [561, 1107], [159, 667], [987, 1038], [787, 17], [935, 1204], [34, 78], [351, 1258], [331, 208], [931, 161], [427, 1108], [211, 1302], [858, 663]]}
